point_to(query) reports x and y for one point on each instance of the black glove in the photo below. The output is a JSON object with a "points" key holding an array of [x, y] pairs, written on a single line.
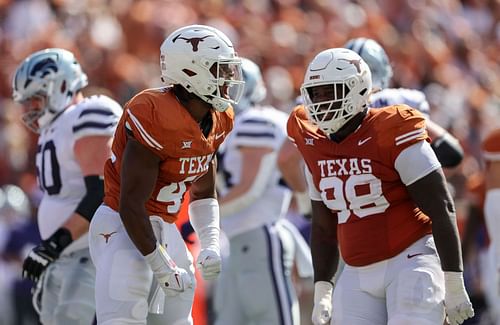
{"points": [[45, 253]]}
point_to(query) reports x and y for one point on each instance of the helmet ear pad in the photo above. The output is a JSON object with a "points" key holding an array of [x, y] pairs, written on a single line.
{"points": [[203, 61], [336, 87]]}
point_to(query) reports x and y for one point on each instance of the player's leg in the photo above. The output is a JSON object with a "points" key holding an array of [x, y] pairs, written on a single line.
{"points": [[49, 299], [261, 263], [490, 277], [123, 278], [226, 298], [284, 267], [415, 290], [77, 297], [359, 297]]}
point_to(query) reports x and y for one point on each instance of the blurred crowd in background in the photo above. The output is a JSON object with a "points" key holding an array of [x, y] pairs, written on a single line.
{"points": [[449, 49]]}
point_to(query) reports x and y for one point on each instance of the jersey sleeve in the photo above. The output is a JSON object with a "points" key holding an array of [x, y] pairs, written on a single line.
{"points": [[98, 116], [141, 122], [313, 192], [257, 132], [292, 125], [491, 146], [405, 127]]}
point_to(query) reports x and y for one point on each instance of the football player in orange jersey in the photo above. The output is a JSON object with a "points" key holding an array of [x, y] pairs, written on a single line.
{"points": [[491, 154], [379, 195], [164, 145]]}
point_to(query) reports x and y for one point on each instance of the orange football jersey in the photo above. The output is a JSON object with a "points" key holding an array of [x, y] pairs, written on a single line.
{"points": [[159, 122], [491, 146], [357, 180]]}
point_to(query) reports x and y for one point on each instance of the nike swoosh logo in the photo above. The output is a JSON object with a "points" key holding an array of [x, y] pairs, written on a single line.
{"points": [[217, 136], [413, 255], [361, 142]]}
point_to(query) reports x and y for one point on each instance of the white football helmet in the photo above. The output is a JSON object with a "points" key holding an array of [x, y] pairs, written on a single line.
{"points": [[202, 60], [376, 58], [255, 90], [52, 76], [336, 87]]}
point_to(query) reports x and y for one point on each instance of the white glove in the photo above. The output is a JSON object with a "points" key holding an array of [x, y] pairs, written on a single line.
{"points": [[456, 301], [171, 278], [209, 263], [322, 311]]}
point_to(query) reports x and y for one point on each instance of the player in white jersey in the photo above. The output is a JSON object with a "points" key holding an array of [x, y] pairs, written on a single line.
{"points": [[255, 285], [74, 141], [446, 147]]}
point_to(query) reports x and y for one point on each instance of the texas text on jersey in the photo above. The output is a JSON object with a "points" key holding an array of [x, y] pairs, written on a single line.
{"points": [[361, 185], [152, 118]]}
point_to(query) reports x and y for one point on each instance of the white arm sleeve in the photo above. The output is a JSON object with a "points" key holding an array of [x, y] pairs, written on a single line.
{"points": [[266, 168], [415, 162], [313, 192], [204, 217]]}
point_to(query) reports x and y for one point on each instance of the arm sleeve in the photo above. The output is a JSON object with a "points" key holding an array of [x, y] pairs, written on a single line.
{"points": [[415, 162], [255, 132]]}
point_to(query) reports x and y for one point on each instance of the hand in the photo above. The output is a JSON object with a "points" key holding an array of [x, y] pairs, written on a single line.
{"points": [[177, 281], [322, 310], [209, 263], [457, 304], [171, 278], [45, 253]]}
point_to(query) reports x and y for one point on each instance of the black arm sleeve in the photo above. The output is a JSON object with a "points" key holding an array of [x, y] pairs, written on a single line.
{"points": [[93, 198], [448, 150]]}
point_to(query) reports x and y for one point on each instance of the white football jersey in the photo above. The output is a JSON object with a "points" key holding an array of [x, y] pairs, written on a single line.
{"points": [[255, 127], [59, 174], [394, 96]]}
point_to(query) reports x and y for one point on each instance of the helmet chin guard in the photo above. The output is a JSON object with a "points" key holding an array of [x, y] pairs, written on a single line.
{"points": [[336, 87]]}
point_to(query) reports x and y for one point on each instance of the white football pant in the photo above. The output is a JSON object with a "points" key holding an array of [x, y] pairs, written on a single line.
{"points": [[68, 290], [123, 278], [407, 289]]}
